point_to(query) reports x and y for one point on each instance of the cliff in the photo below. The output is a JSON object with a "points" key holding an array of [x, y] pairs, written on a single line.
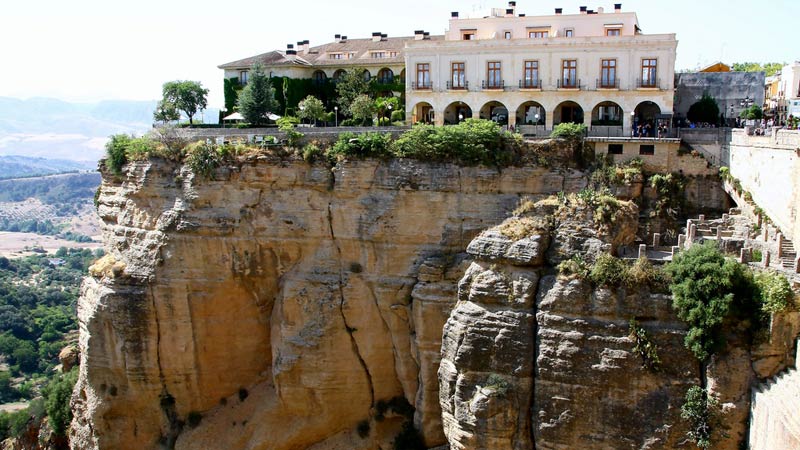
{"points": [[378, 304]]}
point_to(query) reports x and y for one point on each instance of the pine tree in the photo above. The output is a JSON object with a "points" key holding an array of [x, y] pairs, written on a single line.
{"points": [[257, 98]]}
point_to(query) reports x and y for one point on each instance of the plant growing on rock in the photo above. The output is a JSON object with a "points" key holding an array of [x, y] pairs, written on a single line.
{"points": [[608, 271], [644, 347], [575, 267], [775, 293], [701, 410]]}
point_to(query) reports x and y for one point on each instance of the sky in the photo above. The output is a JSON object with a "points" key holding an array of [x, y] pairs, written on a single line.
{"points": [[92, 50]]}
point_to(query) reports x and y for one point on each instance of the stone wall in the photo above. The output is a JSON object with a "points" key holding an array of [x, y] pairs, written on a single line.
{"points": [[769, 168], [727, 88], [774, 421]]}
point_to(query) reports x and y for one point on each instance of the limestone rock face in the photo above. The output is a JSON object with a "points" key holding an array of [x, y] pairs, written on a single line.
{"points": [[278, 305]]}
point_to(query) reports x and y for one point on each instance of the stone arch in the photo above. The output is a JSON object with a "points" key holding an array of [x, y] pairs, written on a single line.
{"points": [[568, 111], [385, 76], [607, 113], [338, 74], [366, 74], [528, 111], [457, 112], [403, 76], [646, 112], [422, 112], [495, 111], [319, 77]]}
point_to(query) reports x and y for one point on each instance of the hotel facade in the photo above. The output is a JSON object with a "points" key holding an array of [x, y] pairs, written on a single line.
{"points": [[593, 67]]}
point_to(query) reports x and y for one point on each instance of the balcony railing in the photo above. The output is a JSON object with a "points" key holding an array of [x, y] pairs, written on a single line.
{"points": [[421, 86], [458, 87], [493, 84], [649, 83], [569, 83], [530, 84], [608, 83]]}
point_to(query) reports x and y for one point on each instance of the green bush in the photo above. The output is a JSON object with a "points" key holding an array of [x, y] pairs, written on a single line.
{"points": [[644, 347], [471, 142], [702, 412], [140, 148], [57, 396], [116, 152], [203, 159], [365, 145], [569, 131], [311, 153], [775, 293], [398, 116], [608, 271], [575, 267], [707, 289]]}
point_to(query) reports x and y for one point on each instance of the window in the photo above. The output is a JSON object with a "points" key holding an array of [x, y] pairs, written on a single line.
{"points": [[569, 73], [336, 56], [507, 35], [468, 35], [385, 76], [647, 149], [608, 73], [243, 76], [538, 34], [319, 77], [614, 149], [494, 77], [531, 75], [569, 32], [613, 32], [423, 76], [458, 80], [383, 55], [649, 67]]}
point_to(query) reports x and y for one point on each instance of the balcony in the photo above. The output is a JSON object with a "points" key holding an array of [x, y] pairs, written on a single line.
{"points": [[569, 83], [464, 86], [497, 85], [421, 86], [649, 83], [607, 83], [530, 84]]}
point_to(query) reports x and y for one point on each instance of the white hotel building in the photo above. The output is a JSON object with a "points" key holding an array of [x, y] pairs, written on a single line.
{"points": [[594, 67]]}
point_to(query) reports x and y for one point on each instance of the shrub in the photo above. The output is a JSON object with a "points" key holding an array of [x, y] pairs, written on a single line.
{"points": [[365, 145], [569, 131], [707, 288], [116, 151], [705, 110], [57, 396], [608, 271], [757, 256], [140, 148], [398, 116], [574, 267], [702, 413], [644, 347], [203, 159], [774, 292], [643, 273], [497, 383], [311, 153]]}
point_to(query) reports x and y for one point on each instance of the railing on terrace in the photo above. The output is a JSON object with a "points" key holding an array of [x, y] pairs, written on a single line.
{"points": [[458, 87], [530, 84], [649, 83], [569, 83], [607, 84], [423, 86], [493, 84]]}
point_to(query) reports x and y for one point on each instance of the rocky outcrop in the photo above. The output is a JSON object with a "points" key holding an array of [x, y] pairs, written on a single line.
{"points": [[529, 356], [276, 305]]}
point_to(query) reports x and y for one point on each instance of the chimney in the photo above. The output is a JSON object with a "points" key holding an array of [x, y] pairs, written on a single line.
{"points": [[338, 38], [291, 53], [376, 36], [522, 15], [600, 10], [344, 39], [384, 37], [427, 36], [419, 35], [306, 46], [591, 11], [513, 6], [454, 15], [510, 12], [617, 7], [583, 10], [559, 11]]}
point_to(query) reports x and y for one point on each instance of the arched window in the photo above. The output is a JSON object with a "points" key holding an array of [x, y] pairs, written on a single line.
{"points": [[319, 77], [367, 75], [385, 76]]}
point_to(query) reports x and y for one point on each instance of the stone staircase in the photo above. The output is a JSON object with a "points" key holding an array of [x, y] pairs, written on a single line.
{"points": [[788, 255], [775, 411]]}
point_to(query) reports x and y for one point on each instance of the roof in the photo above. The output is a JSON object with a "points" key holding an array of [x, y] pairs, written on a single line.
{"points": [[320, 55], [716, 67]]}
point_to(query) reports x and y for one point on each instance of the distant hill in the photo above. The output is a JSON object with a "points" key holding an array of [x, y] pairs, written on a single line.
{"points": [[51, 128], [15, 166]]}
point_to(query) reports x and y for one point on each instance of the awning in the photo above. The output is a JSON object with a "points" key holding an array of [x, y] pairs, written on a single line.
{"points": [[234, 116]]}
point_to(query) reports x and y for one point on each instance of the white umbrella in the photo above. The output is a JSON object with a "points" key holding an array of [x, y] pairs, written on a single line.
{"points": [[234, 116]]}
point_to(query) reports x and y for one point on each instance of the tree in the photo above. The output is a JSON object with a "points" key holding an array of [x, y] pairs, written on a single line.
{"points": [[166, 112], [705, 110], [754, 112], [349, 86], [187, 96], [311, 108], [57, 396], [258, 97], [362, 108], [383, 104], [768, 68]]}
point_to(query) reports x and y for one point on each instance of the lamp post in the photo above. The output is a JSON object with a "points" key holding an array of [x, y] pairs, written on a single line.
{"points": [[460, 117], [336, 116], [390, 111], [633, 125], [302, 108]]}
